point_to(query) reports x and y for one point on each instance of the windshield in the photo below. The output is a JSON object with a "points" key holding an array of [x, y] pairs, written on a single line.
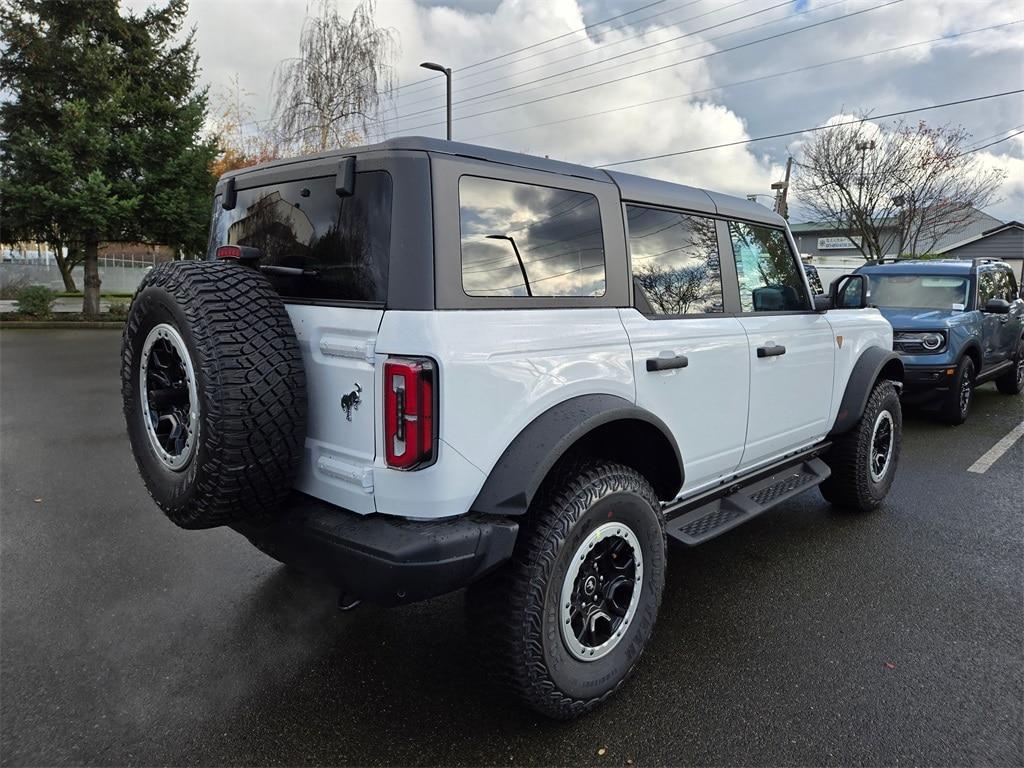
{"points": [[918, 291]]}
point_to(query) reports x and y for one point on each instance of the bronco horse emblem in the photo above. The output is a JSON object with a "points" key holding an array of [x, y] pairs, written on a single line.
{"points": [[351, 402]]}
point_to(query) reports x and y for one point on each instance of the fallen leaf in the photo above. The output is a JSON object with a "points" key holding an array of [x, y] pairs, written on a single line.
{"points": [[629, 761], [890, 665], [601, 751], [38, 500]]}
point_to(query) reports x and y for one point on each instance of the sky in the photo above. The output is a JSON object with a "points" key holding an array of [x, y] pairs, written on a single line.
{"points": [[700, 51]]}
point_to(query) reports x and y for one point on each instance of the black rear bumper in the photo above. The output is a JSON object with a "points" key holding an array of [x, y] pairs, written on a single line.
{"points": [[383, 559]]}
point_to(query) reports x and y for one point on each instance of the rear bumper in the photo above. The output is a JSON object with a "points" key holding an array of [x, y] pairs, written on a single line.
{"points": [[383, 559]]}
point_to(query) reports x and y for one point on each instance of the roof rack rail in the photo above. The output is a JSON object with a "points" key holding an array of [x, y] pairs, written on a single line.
{"points": [[984, 260]]}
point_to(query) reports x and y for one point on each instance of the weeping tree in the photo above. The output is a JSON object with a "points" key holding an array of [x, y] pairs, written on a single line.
{"points": [[897, 188], [330, 93]]}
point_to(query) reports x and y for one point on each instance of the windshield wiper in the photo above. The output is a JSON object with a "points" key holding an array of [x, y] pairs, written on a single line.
{"points": [[272, 269]]}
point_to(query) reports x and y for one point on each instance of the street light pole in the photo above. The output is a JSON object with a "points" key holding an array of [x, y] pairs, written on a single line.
{"points": [[447, 72], [522, 267]]}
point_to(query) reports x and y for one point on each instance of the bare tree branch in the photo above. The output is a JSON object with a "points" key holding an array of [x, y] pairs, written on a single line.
{"points": [[327, 96], [898, 188]]}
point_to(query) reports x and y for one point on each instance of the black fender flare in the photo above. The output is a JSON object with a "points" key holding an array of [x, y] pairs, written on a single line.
{"points": [[519, 472], [873, 364]]}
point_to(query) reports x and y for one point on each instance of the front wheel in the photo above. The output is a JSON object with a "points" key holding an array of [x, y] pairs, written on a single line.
{"points": [[564, 623], [957, 405], [1012, 382], [863, 461]]}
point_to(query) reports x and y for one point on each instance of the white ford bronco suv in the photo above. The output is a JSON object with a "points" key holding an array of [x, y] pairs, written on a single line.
{"points": [[422, 365]]}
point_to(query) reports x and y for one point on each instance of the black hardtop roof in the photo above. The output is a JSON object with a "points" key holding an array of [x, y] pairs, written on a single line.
{"points": [[639, 189]]}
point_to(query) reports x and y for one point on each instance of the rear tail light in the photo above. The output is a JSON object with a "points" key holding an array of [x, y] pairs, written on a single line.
{"points": [[410, 426]]}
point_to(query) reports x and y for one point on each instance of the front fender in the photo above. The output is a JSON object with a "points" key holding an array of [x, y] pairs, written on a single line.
{"points": [[873, 364]]}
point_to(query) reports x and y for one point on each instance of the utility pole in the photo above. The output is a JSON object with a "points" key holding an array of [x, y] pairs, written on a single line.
{"points": [[782, 192]]}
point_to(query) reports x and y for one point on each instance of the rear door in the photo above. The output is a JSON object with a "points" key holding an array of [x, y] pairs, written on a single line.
{"points": [[791, 348], [689, 358], [328, 257]]}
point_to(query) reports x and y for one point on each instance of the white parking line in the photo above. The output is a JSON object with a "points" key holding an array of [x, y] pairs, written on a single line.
{"points": [[993, 454]]}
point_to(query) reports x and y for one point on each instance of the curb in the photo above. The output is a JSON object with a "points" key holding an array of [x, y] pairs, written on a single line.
{"points": [[55, 324]]}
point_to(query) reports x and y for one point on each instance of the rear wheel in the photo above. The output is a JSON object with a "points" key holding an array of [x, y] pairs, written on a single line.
{"points": [[1012, 382], [957, 406], [863, 461], [564, 623]]}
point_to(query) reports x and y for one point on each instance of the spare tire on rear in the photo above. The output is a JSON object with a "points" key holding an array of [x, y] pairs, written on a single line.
{"points": [[214, 393]]}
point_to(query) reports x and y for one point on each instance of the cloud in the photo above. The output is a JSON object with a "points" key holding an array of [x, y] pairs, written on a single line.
{"points": [[249, 38]]}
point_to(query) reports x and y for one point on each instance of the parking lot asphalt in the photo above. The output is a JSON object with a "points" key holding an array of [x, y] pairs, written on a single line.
{"points": [[806, 637]]}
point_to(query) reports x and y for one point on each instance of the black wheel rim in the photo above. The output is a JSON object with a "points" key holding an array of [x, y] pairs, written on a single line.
{"points": [[965, 394], [169, 398], [882, 440], [601, 591]]}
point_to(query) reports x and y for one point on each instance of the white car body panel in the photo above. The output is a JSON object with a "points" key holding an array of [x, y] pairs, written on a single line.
{"points": [[498, 370], [337, 350], [704, 404], [791, 394], [860, 329]]}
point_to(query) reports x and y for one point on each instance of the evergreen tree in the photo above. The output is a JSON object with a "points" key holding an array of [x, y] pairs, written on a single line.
{"points": [[101, 133]]}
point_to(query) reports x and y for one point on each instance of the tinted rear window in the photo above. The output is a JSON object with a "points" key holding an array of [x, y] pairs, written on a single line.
{"points": [[342, 243]]}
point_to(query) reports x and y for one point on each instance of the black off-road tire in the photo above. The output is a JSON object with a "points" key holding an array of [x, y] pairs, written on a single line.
{"points": [[851, 485], [514, 613], [251, 392], [1012, 382], [956, 406]]}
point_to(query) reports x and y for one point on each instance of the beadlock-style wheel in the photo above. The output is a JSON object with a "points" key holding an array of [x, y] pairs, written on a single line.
{"points": [[882, 436], [167, 387], [600, 591]]}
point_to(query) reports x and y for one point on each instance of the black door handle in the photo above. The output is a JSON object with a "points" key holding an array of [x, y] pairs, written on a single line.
{"points": [[667, 363], [773, 350]]}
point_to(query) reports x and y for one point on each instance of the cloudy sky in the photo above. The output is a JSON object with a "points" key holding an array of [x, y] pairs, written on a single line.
{"points": [[700, 51]]}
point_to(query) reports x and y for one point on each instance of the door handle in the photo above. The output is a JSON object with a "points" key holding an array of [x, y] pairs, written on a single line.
{"points": [[667, 363], [771, 350]]}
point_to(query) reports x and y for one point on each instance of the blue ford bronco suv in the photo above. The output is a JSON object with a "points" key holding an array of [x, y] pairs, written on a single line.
{"points": [[956, 324]]}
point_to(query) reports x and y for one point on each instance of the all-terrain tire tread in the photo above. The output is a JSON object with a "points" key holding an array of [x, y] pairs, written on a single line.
{"points": [[848, 487], [507, 609], [254, 393]]}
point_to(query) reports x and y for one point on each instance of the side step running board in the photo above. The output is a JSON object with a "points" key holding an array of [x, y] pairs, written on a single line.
{"points": [[725, 513]]}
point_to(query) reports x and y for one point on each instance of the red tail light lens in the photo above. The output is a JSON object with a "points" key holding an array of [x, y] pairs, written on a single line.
{"points": [[229, 252], [410, 385]]}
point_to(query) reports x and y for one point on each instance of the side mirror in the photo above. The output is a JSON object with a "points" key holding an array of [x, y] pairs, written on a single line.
{"points": [[849, 292], [822, 303], [997, 306]]}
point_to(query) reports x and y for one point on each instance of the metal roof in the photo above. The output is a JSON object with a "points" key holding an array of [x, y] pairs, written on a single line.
{"points": [[922, 267], [639, 189]]}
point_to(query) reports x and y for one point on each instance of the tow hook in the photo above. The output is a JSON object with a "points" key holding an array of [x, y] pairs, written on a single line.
{"points": [[347, 603]]}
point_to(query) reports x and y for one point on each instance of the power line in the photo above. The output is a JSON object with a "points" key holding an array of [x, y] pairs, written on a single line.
{"points": [[610, 58], [583, 88], [748, 81], [535, 45], [816, 128], [593, 50], [632, 22], [759, 25], [993, 143]]}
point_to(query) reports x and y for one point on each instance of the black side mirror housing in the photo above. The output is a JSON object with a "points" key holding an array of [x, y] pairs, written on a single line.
{"points": [[848, 292], [997, 306], [227, 202], [822, 303]]}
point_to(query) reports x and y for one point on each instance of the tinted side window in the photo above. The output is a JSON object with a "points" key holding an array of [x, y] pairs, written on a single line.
{"points": [[675, 260], [988, 287], [528, 240], [767, 270], [341, 243], [1006, 285]]}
